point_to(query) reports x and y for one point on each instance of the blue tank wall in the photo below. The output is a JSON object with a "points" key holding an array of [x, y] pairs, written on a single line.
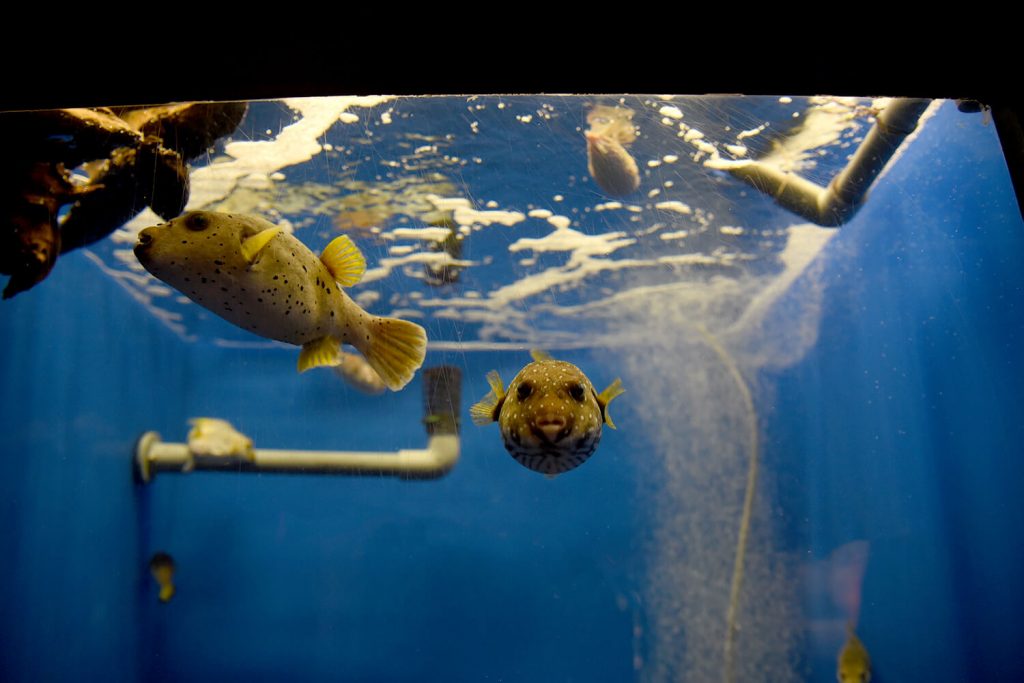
{"points": [[902, 426], [84, 370]]}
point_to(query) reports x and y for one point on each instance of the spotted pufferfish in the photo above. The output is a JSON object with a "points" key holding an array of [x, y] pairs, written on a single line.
{"points": [[254, 274], [550, 417]]}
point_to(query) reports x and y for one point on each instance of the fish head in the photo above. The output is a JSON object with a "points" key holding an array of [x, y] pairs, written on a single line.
{"points": [[162, 566], [596, 142], [183, 251], [550, 419]]}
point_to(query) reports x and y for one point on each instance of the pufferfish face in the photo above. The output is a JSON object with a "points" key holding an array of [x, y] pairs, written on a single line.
{"points": [[550, 419], [189, 250]]}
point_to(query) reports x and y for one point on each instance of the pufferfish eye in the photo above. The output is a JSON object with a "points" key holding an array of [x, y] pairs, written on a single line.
{"points": [[577, 392], [524, 391], [197, 221]]}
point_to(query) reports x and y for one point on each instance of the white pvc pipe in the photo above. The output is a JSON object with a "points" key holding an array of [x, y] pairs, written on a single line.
{"points": [[436, 460], [834, 205]]}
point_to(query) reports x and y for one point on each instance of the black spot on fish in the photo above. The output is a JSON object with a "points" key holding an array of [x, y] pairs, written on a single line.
{"points": [[332, 314], [204, 280], [223, 289], [219, 263], [275, 277], [260, 299]]}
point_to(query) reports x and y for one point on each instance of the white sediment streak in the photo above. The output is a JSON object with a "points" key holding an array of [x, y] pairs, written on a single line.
{"points": [[428, 234], [677, 206], [671, 112]]}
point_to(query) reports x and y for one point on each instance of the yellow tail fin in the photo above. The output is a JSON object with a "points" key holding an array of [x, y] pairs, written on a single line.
{"points": [[395, 350]]}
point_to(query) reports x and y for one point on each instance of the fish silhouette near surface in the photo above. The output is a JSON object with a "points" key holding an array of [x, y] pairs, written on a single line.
{"points": [[550, 417], [610, 132], [257, 276]]}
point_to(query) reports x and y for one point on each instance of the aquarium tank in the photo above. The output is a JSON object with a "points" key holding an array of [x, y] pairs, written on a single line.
{"points": [[511, 388]]}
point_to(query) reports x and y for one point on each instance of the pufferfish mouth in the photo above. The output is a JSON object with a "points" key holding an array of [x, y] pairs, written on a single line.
{"points": [[551, 429], [145, 240]]}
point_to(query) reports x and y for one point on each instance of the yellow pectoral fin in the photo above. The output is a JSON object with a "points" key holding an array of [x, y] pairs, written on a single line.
{"points": [[486, 411], [497, 386], [344, 261], [254, 245], [539, 355], [606, 396], [323, 351]]}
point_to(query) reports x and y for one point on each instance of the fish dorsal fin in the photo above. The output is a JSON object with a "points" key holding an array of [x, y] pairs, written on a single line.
{"points": [[539, 355], [255, 244], [486, 411], [606, 396], [344, 261]]}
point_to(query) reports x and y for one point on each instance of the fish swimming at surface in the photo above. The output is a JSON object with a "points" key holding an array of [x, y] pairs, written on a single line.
{"points": [[550, 417], [611, 166], [257, 276]]}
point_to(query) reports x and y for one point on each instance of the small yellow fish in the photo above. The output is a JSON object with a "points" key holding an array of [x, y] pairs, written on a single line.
{"points": [[161, 566], [357, 373], [854, 665], [257, 276], [612, 167], [211, 436], [551, 417]]}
